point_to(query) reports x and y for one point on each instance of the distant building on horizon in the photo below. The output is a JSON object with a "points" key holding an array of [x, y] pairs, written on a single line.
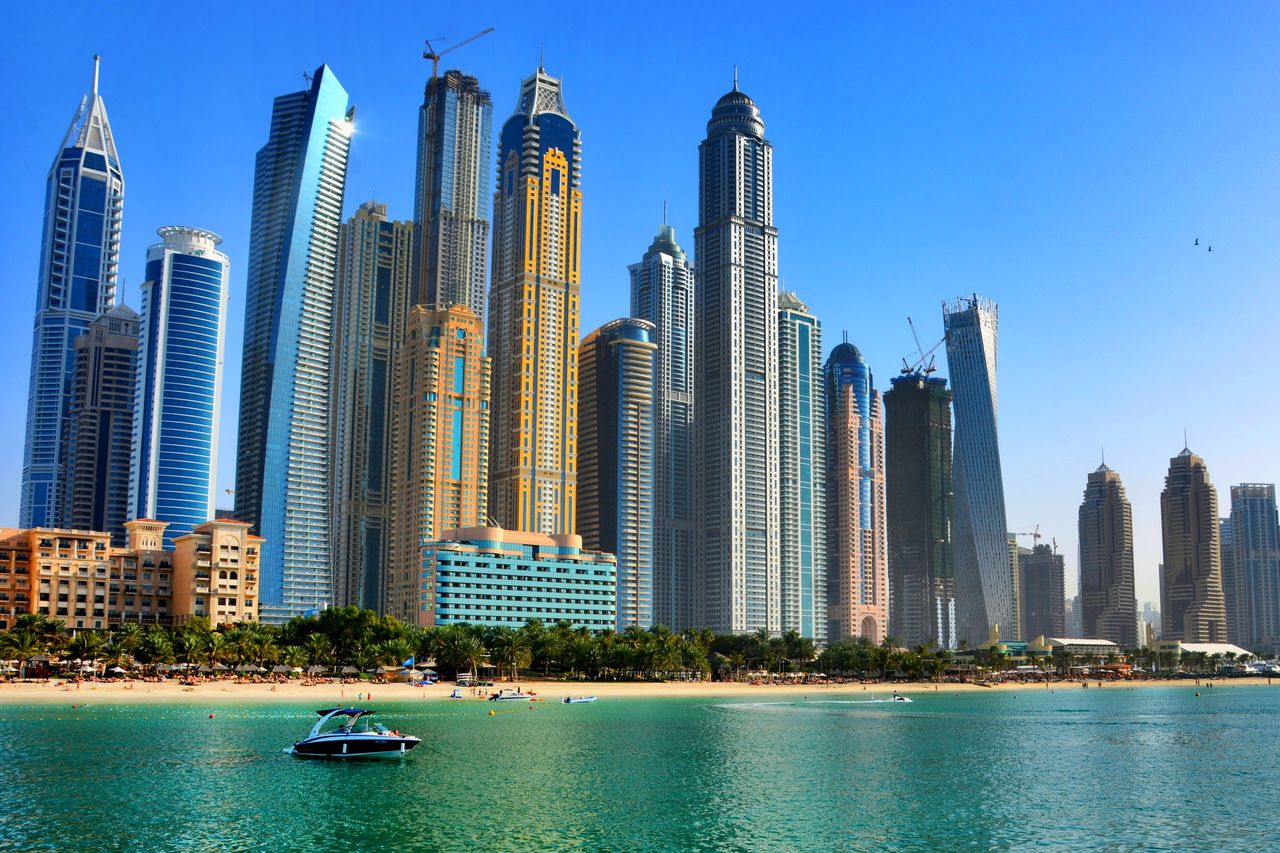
{"points": [[284, 461], [534, 313], [452, 194], [919, 509], [1042, 593], [662, 292], [857, 553], [173, 476], [802, 466], [79, 268], [1192, 605], [1252, 580], [371, 303], [985, 582], [736, 373], [439, 468], [616, 364], [99, 442], [1108, 604]]}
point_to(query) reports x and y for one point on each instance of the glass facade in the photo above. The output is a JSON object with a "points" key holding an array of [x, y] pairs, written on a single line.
{"points": [[179, 389], [79, 258], [284, 460]]}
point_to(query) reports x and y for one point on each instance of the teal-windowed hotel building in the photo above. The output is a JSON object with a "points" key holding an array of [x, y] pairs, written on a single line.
{"points": [[494, 577]]}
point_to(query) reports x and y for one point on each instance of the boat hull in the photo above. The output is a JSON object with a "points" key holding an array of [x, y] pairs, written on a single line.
{"points": [[387, 746]]}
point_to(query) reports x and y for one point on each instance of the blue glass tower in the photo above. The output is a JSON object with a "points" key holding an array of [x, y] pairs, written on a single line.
{"points": [[177, 398], [283, 468], [79, 255]]}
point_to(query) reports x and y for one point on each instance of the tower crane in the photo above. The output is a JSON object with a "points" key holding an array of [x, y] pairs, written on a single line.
{"points": [[1034, 534], [434, 55], [923, 361]]}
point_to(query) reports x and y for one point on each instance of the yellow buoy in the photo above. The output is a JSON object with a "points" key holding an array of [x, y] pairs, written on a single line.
{"points": [[491, 710]]}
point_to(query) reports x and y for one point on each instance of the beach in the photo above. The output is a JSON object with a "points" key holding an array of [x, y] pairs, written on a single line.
{"points": [[231, 692]]}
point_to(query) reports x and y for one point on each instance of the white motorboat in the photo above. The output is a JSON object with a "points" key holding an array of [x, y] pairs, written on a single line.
{"points": [[508, 694], [578, 700], [352, 738]]}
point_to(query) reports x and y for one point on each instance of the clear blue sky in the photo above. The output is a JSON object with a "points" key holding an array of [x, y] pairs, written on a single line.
{"points": [[1059, 159]]}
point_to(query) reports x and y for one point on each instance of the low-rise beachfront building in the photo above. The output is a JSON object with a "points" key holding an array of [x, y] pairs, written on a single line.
{"points": [[492, 576], [1178, 649], [77, 577], [215, 573], [1076, 647]]}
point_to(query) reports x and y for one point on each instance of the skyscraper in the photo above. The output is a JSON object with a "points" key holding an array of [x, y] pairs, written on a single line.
{"points": [[1043, 593], [983, 571], [452, 197], [736, 372], [918, 482], [662, 292], [79, 260], [283, 471], [1253, 608], [375, 268], [615, 458], [857, 553], [1107, 601], [533, 314], [100, 425], [802, 463], [439, 465], [1191, 602], [178, 396]]}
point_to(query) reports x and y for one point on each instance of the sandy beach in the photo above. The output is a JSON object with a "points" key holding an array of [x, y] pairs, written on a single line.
{"points": [[230, 692]]}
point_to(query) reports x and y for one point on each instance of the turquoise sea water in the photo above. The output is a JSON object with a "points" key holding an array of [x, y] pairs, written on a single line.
{"points": [[1113, 769]]}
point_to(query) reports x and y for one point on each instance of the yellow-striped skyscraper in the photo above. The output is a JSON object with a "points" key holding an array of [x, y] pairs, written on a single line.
{"points": [[533, 314]]}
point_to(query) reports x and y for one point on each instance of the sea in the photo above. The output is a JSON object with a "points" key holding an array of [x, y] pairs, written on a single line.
{"points": [[1068, 769]]}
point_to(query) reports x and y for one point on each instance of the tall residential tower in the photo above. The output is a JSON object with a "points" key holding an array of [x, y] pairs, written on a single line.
{"points": [[533, 314], [375, 268], [662, 287], [984, 572], [802, 463], [918, 481], [857, 553], [1192, 606], [1108, 605], [452, 197], [615, 458], [736, 373], [173, 476], [79, 262], [283, 465], [1253, 606]]}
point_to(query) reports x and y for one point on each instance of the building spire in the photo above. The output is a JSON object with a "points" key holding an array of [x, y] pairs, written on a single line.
{"points": [[96, 60], [735, 77], [542, 56], [664, 211]]}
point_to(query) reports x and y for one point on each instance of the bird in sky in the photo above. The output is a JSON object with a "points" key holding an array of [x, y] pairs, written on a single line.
{"points": [[1197, 243], [1210, 248]]}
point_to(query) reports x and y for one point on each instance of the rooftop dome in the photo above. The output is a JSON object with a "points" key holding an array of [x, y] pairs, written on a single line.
{"points": [[665, 241], [736, 113], [845, 352]]}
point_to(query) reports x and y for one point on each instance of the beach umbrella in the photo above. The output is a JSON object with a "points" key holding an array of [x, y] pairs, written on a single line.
{"points": [[244, 667], [220, 667], [9, 668], [164, 667], [259, 669], [87, 668], [349, 670], [315, 669], [279, 668], [204, 667], [296, 669], [115, 669]]}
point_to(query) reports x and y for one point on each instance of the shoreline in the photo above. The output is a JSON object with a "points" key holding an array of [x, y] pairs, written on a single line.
{"points": [[230, 692]]}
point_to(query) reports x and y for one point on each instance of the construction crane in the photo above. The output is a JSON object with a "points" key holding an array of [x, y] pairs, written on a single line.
{"points": [[434, 56], [923, 362], [1034, 534]]}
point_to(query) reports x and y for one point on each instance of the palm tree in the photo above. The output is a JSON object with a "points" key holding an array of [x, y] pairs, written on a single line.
{"points": [[87, 646], [22, 645], [293, 656], [129, 635]]}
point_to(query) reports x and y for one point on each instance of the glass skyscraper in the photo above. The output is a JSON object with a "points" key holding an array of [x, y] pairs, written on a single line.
{"points": [[1108, 607], [985, 582], [615, 458], [857, 554], [79, 259], [922, 606], [178, 395], [452, 198], [802, 443], [662, 286], [283, 465], [1252, 585], [1192, 606], [375, 268], [737, 372], [533, 313]]}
